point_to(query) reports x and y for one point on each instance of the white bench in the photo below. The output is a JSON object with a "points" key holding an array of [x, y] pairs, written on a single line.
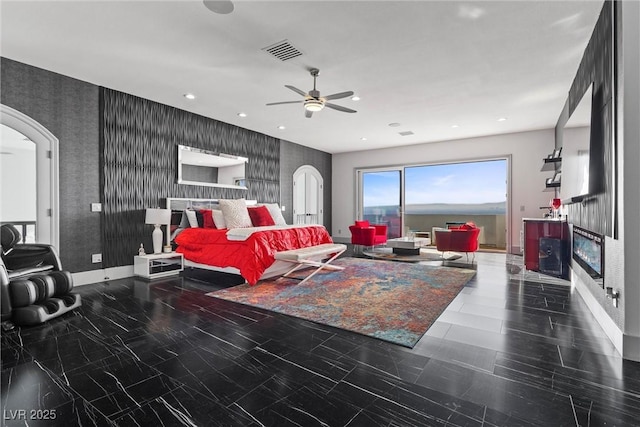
{"points": [[312, 256]]}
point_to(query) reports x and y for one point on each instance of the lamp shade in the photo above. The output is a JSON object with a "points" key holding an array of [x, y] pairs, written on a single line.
{"points": [[158, 216]]}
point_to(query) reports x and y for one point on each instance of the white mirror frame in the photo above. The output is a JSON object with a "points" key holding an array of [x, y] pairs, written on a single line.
{"points": [[209, 158]]}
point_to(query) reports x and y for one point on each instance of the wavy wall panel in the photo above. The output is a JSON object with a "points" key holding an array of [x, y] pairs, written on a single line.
{"points": [[139, 142], [597, 214]]}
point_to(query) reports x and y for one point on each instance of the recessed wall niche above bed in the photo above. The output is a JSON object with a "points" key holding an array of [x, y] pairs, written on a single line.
{"points": [[201, 167]]}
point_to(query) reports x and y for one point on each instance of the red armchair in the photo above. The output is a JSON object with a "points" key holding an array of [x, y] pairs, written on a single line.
{"points": [[459, 239], [365, 234]]}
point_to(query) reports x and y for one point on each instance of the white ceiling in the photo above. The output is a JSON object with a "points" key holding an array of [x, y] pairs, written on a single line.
{"points": [[423, 64]]}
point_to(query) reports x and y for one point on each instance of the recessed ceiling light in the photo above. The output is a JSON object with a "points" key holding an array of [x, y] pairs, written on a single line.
{"points": [[355, 98], [455, 126], [364, 138], [502, 119], [281, 127], [394, 124], [242, 114], [189, 96], [223, 7]]}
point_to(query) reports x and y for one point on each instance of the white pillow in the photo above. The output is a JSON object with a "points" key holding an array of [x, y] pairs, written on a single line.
{"points": [[218, 218], [276, 213], [193, 219], [235, 213]]}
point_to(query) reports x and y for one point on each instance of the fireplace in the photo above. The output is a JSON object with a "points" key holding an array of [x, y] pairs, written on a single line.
{"points": [[588, 252]]}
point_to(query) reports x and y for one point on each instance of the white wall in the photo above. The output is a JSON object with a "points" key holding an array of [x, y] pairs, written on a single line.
{"points": [[526, 150], [629, 173], [18, 183]]}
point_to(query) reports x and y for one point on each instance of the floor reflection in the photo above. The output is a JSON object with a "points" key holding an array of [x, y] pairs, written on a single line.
{"points": [[513, 348]]}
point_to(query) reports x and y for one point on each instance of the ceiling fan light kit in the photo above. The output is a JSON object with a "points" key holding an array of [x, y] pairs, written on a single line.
{"points": [[313, 105], [313, 102]]}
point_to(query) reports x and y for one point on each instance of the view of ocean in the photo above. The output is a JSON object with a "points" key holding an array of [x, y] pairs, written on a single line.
{"points": [[498, 208]]}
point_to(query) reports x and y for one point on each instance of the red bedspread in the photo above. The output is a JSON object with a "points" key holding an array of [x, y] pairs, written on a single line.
{"points": [[252, 256]]}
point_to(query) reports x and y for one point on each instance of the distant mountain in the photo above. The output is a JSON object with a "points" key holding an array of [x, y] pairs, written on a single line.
{"points": [[497, 208]]}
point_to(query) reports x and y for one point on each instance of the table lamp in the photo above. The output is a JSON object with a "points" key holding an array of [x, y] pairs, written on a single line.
{"points": [[157, 217]]}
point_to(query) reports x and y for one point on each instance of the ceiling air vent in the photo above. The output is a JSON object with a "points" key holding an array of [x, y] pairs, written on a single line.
{"points": [[406, 133], [283, 50]]}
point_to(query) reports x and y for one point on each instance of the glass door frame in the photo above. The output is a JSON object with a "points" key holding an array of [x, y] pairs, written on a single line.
{"points": [[508, 193], [360, 191]]}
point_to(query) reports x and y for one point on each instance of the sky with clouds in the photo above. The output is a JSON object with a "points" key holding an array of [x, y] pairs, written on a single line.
{"points": [[465, 183]]}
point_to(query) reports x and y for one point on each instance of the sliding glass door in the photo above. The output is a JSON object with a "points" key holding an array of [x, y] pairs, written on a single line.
{"points": [[422, 197], [455, 193], [380, 199]]}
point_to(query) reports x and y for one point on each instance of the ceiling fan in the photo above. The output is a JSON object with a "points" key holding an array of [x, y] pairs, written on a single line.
{"points": [[313, 102]]}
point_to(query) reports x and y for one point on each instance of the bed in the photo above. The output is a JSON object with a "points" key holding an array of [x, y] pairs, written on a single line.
{"points": [[247, 251]]}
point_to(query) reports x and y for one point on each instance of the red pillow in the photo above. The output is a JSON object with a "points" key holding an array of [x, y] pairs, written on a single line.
{"points": [[362, 224], [207, 217], [260, 216], [469, 226]]}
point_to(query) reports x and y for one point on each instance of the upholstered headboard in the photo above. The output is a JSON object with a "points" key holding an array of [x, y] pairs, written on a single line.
{"points": [[178, 207]]}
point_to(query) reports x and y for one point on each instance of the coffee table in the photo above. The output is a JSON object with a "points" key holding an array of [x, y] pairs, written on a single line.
{"points": [[408, 245]]}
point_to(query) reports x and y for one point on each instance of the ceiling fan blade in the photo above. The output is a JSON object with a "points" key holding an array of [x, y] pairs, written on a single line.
{"points": [[339, 108], [285, 102], [308, 114], [338, 95], [296, 90]]}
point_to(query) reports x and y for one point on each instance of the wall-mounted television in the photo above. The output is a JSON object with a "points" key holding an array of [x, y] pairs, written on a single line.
{"points": [[577, 141]]}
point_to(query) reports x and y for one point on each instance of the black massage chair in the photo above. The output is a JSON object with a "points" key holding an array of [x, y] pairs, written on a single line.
{"points": [[33, 286]]}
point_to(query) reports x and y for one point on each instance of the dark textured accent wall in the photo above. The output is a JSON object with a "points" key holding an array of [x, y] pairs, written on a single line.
{"points": [[139, 145], [68, 108], [596, 213], [121, 150], [292, 156]]}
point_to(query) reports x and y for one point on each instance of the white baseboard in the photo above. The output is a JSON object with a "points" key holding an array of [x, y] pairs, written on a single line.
{"points": [[95, 276], [608, 325]]}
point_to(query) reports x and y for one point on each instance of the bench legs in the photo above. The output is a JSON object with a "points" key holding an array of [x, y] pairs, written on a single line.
{"points": [[319, 265]]}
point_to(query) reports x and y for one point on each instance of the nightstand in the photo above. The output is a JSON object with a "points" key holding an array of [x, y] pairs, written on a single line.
{"points": [[152, 266]]}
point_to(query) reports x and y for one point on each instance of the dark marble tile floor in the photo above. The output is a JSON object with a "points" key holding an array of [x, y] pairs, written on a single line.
{"points": [[511, 350]]}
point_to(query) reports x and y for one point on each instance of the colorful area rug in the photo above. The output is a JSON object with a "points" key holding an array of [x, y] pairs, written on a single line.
{"points": [[424, 255], [395, 302]]}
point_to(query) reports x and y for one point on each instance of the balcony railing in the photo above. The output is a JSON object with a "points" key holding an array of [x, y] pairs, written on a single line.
{"points": [[27, 230], [493, 234]]}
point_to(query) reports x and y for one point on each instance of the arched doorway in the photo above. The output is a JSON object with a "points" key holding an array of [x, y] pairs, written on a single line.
{"points": [[307, 196], [46, 158]]}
